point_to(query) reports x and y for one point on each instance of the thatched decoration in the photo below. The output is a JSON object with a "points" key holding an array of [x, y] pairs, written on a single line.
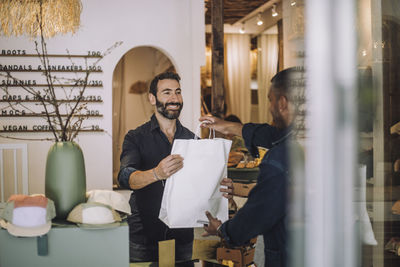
{"points": [[138, 87], [22, 17]]}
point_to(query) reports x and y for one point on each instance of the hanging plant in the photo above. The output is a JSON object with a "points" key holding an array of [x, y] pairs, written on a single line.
{"points": [[57, 16]]}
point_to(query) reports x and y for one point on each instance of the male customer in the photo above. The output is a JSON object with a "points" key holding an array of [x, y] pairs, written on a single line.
{"points": [[145, 165], [265, 210]]}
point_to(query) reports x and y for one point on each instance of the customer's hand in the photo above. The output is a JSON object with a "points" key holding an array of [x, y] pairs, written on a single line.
{"points": [[222, 126], [213, 122], [168, 166], [211, 228], [227, 188]]}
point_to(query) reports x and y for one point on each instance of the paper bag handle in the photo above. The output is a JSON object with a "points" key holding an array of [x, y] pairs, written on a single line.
{"points": [[197, 134]]}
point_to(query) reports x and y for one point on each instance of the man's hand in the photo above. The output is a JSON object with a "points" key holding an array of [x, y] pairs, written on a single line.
{"points": [[213, 122], [211, 228], [228, 190], [219, 125], [168, 166]]}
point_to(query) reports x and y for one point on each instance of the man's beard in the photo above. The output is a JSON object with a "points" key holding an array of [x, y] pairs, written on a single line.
{"points": [[169, 114], [278, 122], [277, 119]]}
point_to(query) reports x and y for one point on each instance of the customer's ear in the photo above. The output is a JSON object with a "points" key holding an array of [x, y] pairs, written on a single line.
{"points": [[152, 99], [282, 103]]}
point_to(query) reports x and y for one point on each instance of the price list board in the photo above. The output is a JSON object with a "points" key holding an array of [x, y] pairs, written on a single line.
{"points": [[25, 83]]}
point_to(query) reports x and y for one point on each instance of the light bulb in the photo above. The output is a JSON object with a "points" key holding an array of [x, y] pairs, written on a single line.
{"points": [[259, 20], [293, 3], [273, 10], [364, 52], [242, 30]]}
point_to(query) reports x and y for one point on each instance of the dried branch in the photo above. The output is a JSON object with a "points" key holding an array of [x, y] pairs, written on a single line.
{"points": [[46, 64], [79, 97]]}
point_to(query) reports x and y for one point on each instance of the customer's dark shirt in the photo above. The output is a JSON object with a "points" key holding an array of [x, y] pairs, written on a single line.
{"points": [[143, 149], [265, 210]]}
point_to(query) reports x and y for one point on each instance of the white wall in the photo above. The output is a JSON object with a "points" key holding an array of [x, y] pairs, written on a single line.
{"points": [[176, 27], [293, 33]]}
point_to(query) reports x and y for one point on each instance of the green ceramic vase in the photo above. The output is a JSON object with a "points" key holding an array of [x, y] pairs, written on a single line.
{"points": [[65, 182]]}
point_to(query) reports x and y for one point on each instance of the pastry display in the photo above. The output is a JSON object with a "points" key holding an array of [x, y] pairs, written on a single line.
{"points": [[242, 159], [235, 158], [251, 164], [241, 165]]}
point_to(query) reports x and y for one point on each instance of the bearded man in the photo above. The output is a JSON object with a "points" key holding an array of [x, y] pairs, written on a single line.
{"points": [[146, 162]]}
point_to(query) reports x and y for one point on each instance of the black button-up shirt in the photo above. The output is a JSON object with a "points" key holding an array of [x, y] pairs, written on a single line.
{"points": [[143, 149]]}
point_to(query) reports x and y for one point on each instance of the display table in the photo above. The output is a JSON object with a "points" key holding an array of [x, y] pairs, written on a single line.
{"points": [[244, 175], [144, 264], [68, 245]]}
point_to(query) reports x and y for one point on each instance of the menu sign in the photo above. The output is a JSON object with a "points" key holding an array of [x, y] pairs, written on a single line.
{"points": [[20, 110]]}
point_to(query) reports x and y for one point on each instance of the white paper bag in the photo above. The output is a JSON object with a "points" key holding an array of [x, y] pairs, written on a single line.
{"points": [[194, 189]]}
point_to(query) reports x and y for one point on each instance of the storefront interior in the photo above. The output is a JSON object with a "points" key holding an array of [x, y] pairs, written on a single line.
{"points": [[345, 208]]}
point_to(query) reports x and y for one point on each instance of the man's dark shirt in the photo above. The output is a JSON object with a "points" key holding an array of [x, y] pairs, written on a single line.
{"points": [[265, 210], [143, 149]]}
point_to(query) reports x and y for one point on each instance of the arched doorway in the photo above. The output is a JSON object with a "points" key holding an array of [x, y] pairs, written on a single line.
{"points": [[131, 80]]}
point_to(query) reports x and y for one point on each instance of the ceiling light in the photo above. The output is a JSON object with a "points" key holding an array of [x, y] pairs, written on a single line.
{"points": [[293, 3], [242, 30], [259, 20], [273, 10], [364, 52]]}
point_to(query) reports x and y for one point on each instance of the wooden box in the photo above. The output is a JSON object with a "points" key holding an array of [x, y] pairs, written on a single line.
{"points": [[239, 256]]}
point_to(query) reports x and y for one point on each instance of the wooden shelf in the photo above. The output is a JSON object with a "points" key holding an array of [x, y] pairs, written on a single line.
{"points": [[47, 131], [47, 100], [44, 115], [53, 55], [52, 71], [45, 85]]}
